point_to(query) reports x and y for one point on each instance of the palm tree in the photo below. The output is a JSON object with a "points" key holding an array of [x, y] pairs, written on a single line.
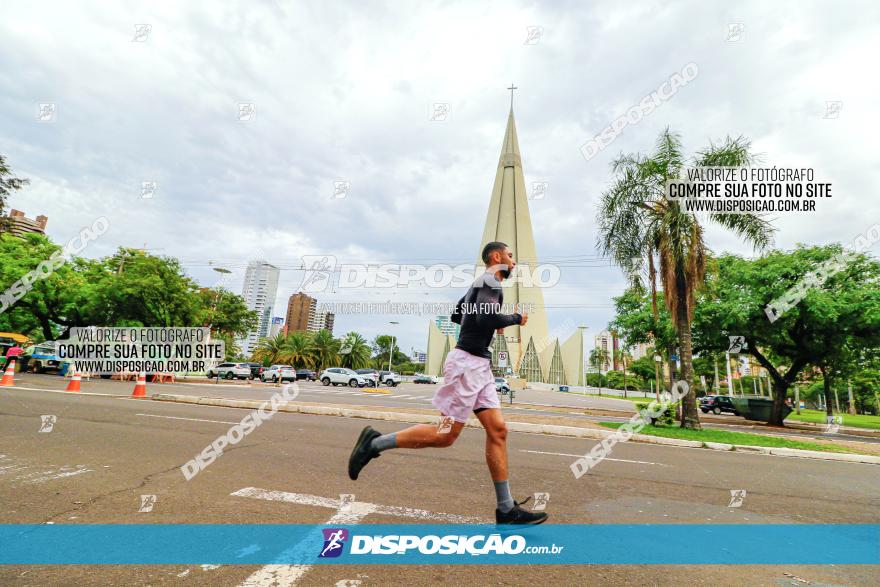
{"points": [[624, 357], [298, 351], [636, 221], [325, 349], [354, 351], [271, 350]]}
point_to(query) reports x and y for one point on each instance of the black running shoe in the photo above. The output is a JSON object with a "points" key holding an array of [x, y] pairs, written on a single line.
{"points": [[520, 516], [362, 452]]}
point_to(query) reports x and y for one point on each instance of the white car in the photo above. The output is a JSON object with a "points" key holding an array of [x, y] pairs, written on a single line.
{"points": [[230, 371], [342, 376], [390, 378], [278, 373]]}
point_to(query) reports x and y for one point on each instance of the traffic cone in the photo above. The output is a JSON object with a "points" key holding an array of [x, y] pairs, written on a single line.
{"points": [[9, 375], [74, 382], [140, 389]]}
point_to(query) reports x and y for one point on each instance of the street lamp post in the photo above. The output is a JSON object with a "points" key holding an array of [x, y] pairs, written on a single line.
{"points": [[391, 350]]}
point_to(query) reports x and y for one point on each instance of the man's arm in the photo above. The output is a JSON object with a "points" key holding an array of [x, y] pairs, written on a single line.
{"points": [[489, 314], [456, 311]]}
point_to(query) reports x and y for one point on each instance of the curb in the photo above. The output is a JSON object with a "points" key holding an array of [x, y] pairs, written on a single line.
{"points": [[549, 429]]}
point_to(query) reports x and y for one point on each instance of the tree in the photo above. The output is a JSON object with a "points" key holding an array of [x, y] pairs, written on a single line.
{"points": [[300, 351], [839, 317], [381, 347], [598, 357], [271, 350], [325, 349], [638, 320], [224, 312], [130, 288], [8, 183], [636, 221], [354, 351]]}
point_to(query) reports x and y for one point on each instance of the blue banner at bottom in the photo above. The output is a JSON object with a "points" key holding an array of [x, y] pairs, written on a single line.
{"points": [[403, 544]]}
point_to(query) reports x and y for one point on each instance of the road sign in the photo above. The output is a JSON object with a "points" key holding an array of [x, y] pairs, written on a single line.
{"points": [[502, 359]]}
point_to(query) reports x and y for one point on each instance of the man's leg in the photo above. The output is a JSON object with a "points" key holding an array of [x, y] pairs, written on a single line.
{"points": [[371, 443], [507, 510], [425, 435], [496, 455]]}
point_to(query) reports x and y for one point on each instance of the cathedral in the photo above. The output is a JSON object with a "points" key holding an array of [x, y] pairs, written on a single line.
{"points": [[529, 352]]}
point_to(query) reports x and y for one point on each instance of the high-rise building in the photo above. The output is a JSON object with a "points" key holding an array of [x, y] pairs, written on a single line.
{"points": [[639, 350], [608, 343], [322, 321], [260, 288], [447, 326], [18, 224], [301, 309]]}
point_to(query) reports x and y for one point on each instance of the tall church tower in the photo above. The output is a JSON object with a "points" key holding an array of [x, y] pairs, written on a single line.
{"points": [[539, 358], [508, 221]]}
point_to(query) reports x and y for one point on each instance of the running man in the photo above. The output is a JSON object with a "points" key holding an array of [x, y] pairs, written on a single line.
{"points": [[469, 386]]}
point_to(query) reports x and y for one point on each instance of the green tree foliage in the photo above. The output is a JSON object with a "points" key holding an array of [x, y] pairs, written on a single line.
{"points": [[832, 323], [129, 288], [8, 184], [355, 351]]}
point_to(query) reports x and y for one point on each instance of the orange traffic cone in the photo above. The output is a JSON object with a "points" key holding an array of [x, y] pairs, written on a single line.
{"points": [[9, 375], [140, 389], [74, 382]]}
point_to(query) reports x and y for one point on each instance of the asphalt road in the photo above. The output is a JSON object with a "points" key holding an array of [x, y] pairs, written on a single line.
{"points": [[103, 453], [409, 395]]}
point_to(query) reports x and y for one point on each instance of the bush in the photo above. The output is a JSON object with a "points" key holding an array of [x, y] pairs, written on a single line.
{"points": [[667, 418]]}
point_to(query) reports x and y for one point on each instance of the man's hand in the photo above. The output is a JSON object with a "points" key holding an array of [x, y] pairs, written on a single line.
{"points": [[525, 318], [500, 331]]}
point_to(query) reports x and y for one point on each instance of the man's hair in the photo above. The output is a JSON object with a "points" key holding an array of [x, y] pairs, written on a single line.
{"points": [[491, 248]]}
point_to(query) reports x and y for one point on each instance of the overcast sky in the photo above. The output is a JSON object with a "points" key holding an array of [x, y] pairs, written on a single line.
{"points": [[345, 91]]}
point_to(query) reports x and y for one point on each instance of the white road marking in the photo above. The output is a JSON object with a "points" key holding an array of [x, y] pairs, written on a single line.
{"points": [[41, 475], [565, 454], [288, 575], [190, 419], [55, 474]]}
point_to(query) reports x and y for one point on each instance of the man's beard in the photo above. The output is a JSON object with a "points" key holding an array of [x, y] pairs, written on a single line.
{"points": [[505, 273]]}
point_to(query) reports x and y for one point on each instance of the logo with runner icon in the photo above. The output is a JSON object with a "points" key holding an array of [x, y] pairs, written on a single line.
{"points": [[334, 542]]}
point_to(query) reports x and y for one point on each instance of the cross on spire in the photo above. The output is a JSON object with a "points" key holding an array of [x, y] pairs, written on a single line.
{"points": [[512, 88]]}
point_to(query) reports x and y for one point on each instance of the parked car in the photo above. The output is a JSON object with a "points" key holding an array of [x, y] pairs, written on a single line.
{"points": [[277, 373], [422, 378], [501, 385], [717, 404], [306, 374], [371, 375], [256, 369], [230, 371], [41, 357], [342, 376], [390, 378]]}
